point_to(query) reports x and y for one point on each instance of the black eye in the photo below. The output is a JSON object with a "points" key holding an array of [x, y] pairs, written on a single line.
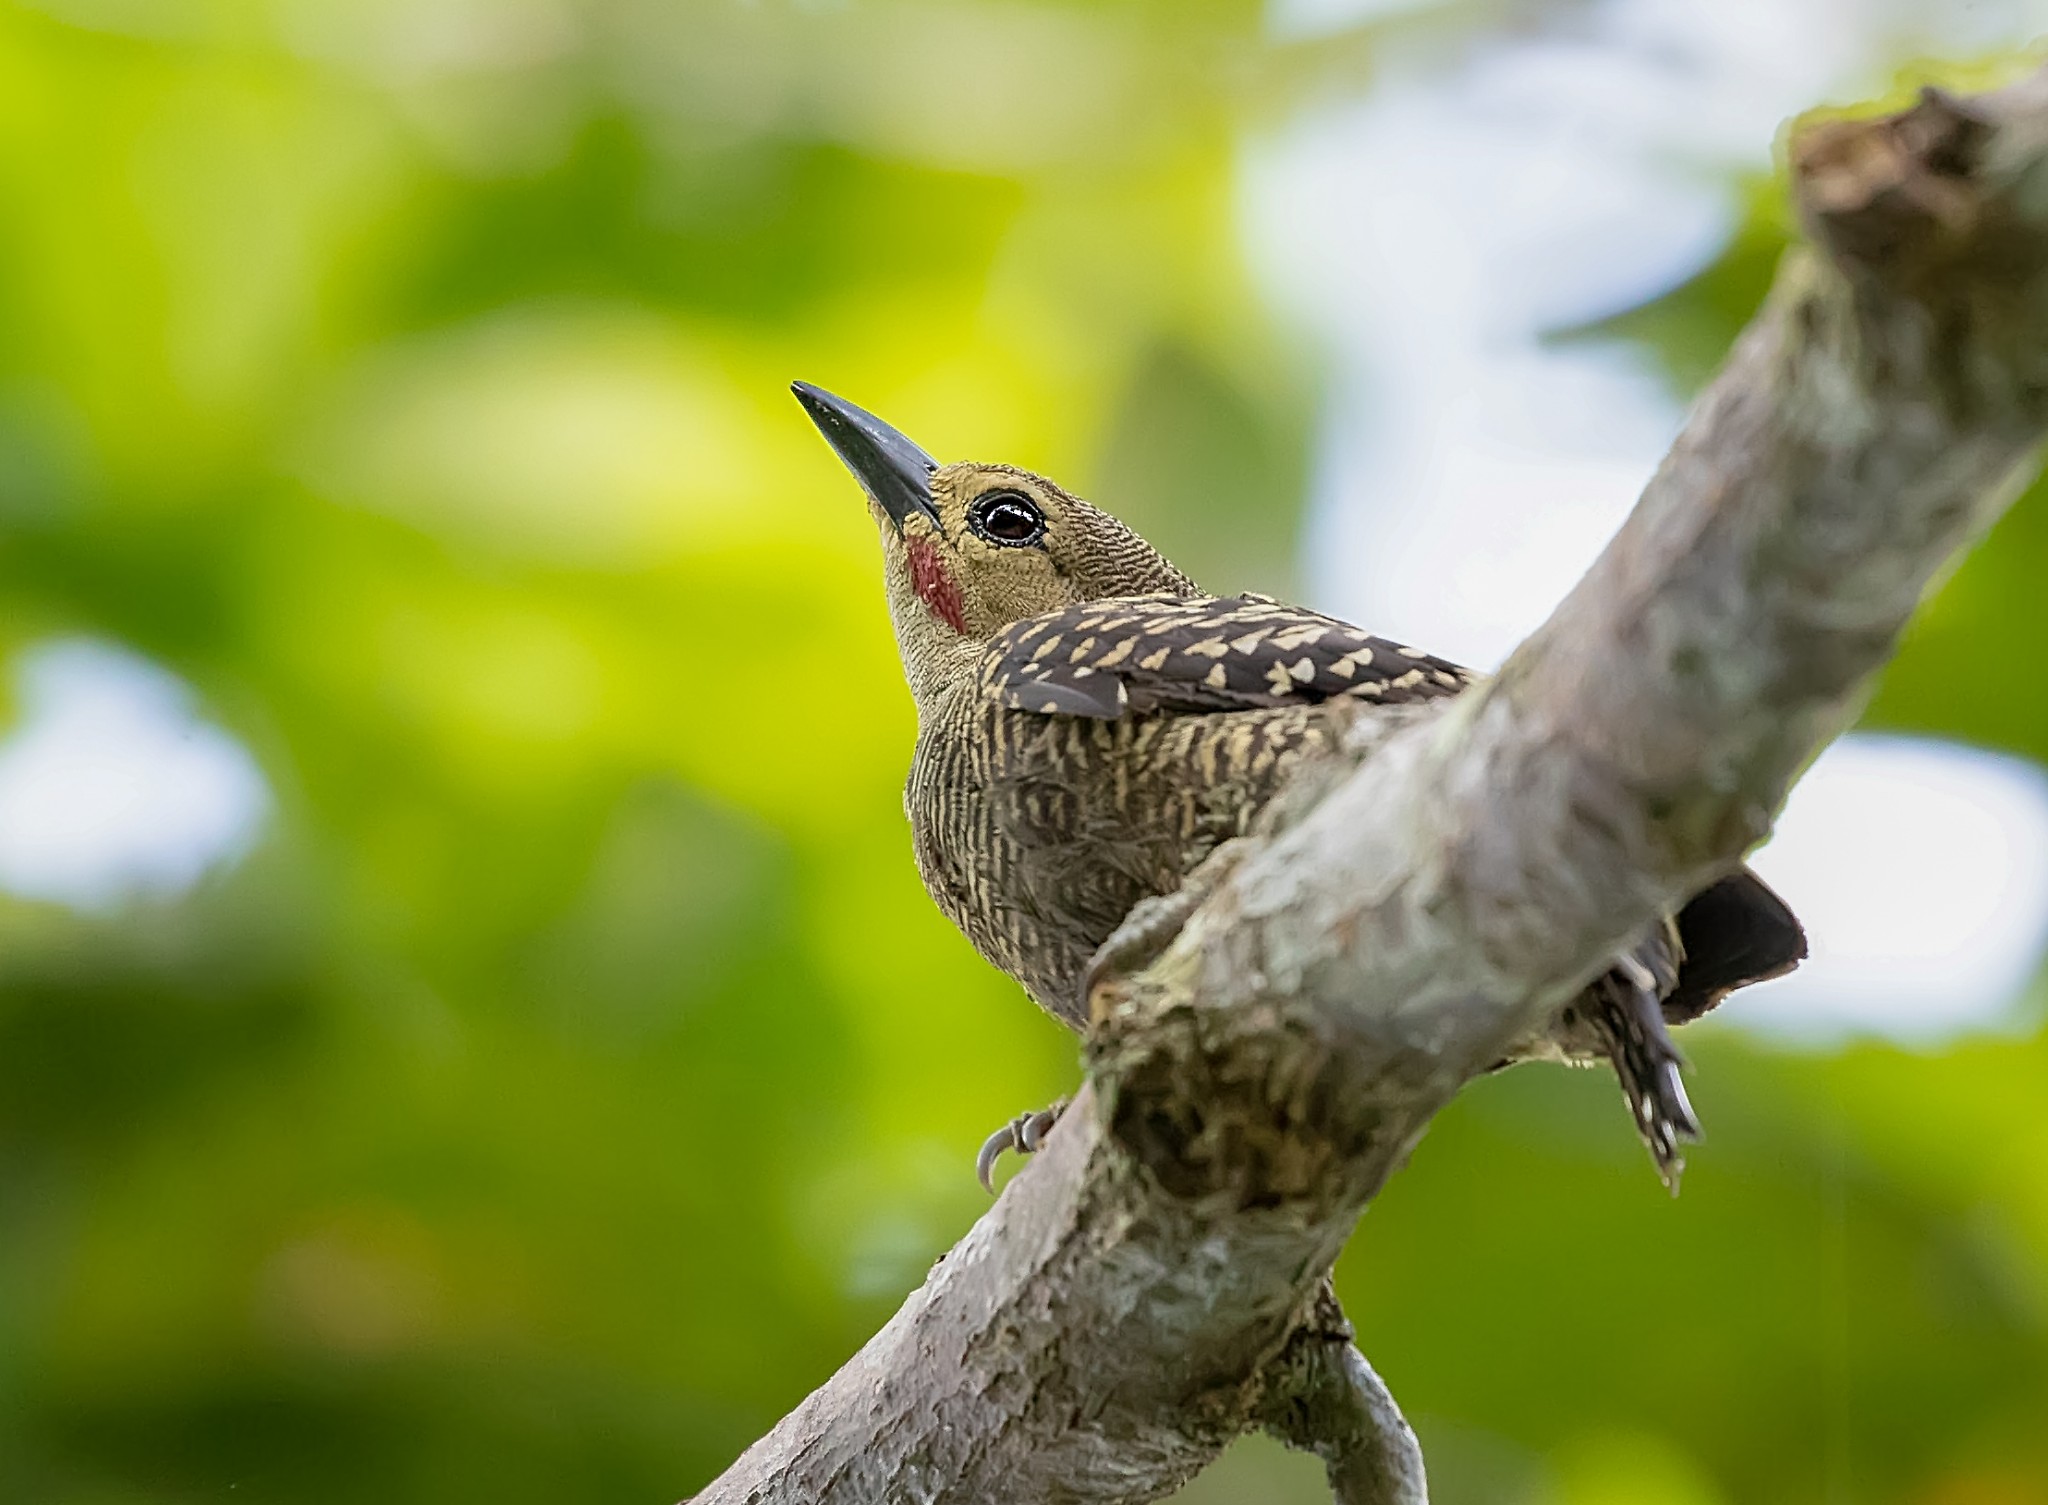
{"points": [[1007, 517]]}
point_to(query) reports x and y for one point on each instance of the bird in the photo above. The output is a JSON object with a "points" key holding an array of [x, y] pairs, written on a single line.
{"points": [[1096, 735]]}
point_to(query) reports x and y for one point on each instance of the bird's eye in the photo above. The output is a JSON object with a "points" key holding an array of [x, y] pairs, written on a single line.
{"points": [[1007, 517]]}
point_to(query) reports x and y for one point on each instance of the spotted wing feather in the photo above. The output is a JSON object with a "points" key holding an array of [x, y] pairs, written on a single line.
{"points": [[1106, 659]]}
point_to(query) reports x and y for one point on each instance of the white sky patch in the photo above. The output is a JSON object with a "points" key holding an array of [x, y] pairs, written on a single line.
{"points": [[1920, 869], [1491, 190], [1302, 20], [111, 785]]}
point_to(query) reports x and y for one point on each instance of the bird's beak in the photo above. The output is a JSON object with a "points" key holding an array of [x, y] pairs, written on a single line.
{"points": [[895, 472]]}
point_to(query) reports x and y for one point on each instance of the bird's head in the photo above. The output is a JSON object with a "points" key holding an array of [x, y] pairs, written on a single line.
{"points": [[969, 548]]}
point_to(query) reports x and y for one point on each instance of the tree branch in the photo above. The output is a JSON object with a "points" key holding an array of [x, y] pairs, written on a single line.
{"points": [[1148, 1287], [1323, 1397]]}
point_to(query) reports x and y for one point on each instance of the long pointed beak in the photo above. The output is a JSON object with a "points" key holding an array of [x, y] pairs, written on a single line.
{"points": [[895, 472]]}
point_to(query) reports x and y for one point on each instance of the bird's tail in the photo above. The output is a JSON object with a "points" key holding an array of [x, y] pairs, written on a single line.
{"points": [[1629, 1017]]}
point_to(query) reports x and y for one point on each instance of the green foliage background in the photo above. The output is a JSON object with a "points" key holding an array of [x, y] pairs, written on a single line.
{"points": [[576, 1073]]}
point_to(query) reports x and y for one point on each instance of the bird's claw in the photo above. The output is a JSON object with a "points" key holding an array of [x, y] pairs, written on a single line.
{"points": [[1024, 1134]]}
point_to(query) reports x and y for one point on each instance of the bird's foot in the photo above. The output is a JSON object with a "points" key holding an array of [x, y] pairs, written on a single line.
{"points": [[1024, 1134], [1153, 923]]}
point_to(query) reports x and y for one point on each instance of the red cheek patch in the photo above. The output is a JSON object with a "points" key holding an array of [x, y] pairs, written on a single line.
{"points": [[934, 586]]}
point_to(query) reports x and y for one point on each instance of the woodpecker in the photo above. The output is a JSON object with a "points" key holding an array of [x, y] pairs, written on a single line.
{"points": [[1093, 728]]}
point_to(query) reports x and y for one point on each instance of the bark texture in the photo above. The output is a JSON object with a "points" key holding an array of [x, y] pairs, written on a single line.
{"points": [[1154, 1282]]}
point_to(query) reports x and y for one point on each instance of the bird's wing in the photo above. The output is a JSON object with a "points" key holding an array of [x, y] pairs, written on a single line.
{"points": [[1130, 654]]}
